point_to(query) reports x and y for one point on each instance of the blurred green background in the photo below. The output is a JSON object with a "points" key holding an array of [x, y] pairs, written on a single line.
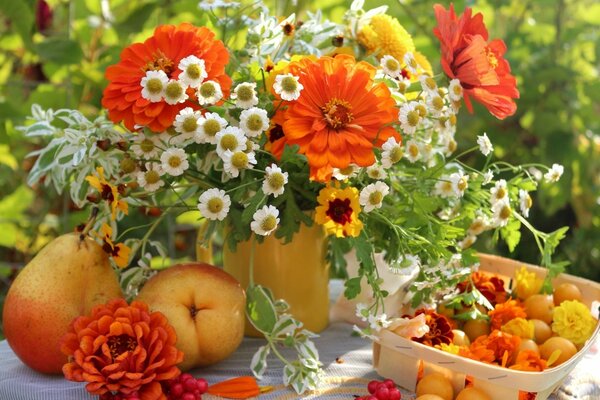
{"points": [[54, 53]]}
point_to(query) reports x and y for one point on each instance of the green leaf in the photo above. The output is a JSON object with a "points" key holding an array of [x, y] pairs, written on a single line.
{"points": [[256, 202], [260, 309], [61, 51], [136, 19], [511, 234], [21, 16], [352, 288]]}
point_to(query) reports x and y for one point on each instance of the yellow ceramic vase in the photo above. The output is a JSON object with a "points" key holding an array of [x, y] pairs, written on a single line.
{"points": [[296, 272]]}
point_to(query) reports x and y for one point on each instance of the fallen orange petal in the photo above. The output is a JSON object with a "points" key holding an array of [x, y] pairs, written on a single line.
{"points": [[242, 387]]}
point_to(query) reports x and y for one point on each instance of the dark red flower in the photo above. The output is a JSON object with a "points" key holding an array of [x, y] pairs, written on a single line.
{"points": [[491, 287], [479, 65], [440, 328]]}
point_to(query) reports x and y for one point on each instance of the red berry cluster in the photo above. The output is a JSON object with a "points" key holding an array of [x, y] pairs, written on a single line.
{"points": [[382, 390], [185, 387]]}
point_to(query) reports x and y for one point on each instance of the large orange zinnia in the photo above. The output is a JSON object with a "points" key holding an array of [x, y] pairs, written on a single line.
{"points": [[163, 51], [341, 114], [480, 66]]}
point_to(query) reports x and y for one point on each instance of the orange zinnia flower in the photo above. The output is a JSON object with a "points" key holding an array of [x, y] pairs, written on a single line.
{"points": [[122, 349], [529, 360], [161, 52], [504, 312], [491, 287], [440, 329], [480, 66], [340, 116]]}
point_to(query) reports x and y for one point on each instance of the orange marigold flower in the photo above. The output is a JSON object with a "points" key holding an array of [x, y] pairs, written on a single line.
{"points": [[480, 66], [479, 351], [161, 52], [490, 286], [440, 329], [504, 312], [338, 211], [122, 349], [341, 114], [529, 360], [503, 347]]}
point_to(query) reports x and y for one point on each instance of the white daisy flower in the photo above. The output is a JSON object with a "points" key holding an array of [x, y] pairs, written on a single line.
{"points": [[341, 174], [479, 225], [391, 67], [244, 95], [411, 64], [535, 173], [287, 87], [403, 84], [235, 161], [501, 213], [455, 90], [525, 202], [362, 311], [175, 92], [194, 71], [186, 122], [251, 146], [376, 171], [146, 147], [485, 145], [214, 204], [209, 92], [409, 117], [208, 127], [429, 86], [554, 174], [230, 138], [265, 220], [467, 242], [392, 152], [254, 121], [379, 322], [371, 197], [153, 85], [174, 161], [427, 153], [435, 105], [444, 188], [172, 138], [275, 180], [413, 151], [460, 183], [448, 144], [499, 192], [150, 179], [211, 5], [487, 177]]}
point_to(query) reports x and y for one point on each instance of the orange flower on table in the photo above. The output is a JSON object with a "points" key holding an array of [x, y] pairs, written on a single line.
{"points": [[340, 116], [479, 65], [122, 349], [527, 283], [108, 192], [338, 211], [119, 252], [529, 360], [440, 329], [490, 286], [505, 312], [163, 51]]}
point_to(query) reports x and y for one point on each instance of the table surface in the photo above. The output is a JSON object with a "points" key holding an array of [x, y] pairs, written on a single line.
{"points": [[346, 359]]}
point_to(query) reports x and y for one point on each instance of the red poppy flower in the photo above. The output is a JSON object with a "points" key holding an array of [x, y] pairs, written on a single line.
{"points": [[161, 52], [479, 65]]}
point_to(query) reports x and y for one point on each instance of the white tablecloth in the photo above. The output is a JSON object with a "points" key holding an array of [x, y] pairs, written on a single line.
{"points": [[345, 377]]}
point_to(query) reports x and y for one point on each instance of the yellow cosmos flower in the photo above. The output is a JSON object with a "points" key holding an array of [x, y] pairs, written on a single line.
{"points": [[338, 211], [384, 35], [108, 192], [573, 321], [527, 283], [449, 348], [519, 327]]}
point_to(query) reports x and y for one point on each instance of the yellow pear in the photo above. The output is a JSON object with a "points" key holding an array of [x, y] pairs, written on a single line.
{"points": [[66, 279]]}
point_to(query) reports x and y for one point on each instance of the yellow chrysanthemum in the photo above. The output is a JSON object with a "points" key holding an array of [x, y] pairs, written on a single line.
{"points": [[338, 211], [384, 35], [573, 321], [519, 327], [527, 283], [449, 348]]}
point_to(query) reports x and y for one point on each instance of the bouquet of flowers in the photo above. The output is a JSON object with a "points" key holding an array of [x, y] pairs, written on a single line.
{"points": [[281, 123]]}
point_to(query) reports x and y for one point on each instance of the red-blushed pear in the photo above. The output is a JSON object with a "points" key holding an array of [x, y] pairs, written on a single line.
{"points": [[205, 306], [66, 279]]}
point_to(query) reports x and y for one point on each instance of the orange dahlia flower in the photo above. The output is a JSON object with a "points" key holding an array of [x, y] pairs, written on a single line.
{"points": [[161, 52], [490, 286], [479, 65], [504, 312], [341, 114], [529, 360], [122, 349]]}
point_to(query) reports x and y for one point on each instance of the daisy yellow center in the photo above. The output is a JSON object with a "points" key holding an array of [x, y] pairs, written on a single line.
{"points": [[268, 223], [174, 90], [396, 154], [337, 113], [249, 146], [193, 71], [207, 90], [430, 83], [174, 161], [392, 64], [375, 173], [120, 344], [412, 117], [245, 93], [347, 171], [447, 186], [528, 202], [452, 145], [154, 85], [229, 142], [500, 193], [127, 165], [476, 226], [491, 57], [289, 84], [506, 212], [457, 89], [375, 198], [462, 184], [160, 63], [146, 145], [437, 103], [254, 122], [452, 119], [420, 108], [412, 63], [239, 160], [152, 177], [171, 131], [340, 211], [276, 180], [211, 127], [413, 150], [190, 124], [215, 205]]}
